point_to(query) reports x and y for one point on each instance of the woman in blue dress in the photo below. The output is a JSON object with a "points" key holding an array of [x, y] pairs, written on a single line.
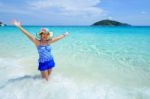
{"points": [[46, 61]]}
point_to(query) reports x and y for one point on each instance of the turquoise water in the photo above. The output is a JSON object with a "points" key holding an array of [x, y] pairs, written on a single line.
{"points": [[91, 63]]}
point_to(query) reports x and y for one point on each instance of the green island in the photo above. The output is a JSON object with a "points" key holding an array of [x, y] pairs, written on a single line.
{"points": [[108, 22]]}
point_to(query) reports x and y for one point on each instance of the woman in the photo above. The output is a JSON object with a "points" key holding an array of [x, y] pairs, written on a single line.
{"points": [[46, 61]]}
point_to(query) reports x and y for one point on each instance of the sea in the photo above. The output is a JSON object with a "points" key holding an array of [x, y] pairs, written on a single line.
{"points": [[92, 62]]}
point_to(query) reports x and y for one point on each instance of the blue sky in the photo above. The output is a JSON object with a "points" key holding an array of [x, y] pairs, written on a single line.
{"points": [[74, 12]]}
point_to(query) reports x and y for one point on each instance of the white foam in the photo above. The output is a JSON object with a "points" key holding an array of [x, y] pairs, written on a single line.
{"points": [[11, 68], [61, 87]]}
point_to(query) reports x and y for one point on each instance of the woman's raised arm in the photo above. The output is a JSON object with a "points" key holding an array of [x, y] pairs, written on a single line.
{"points": [[32, 38], [58, 37]]}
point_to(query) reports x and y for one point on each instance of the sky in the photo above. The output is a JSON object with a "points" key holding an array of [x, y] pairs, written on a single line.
{"points": [[74, 12]]}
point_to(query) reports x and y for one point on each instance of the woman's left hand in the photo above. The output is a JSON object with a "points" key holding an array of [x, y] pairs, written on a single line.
{"points": [[66, 33]]}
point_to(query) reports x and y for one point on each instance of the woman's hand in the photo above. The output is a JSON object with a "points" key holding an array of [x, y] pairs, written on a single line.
{"points": [[66, 33], [16, 23]]}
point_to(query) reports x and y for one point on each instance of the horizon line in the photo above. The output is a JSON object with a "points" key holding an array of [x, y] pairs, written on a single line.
{"points": [[84, 25]]}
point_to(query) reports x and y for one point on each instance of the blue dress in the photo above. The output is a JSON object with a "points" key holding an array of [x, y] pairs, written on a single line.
{"points": [[46, 60]]}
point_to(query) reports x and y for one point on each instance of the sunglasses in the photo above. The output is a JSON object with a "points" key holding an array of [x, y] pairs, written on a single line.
{"points": [[44, 33]]}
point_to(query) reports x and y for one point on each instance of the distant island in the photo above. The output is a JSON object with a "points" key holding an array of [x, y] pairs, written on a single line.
{"points": [[109, 23], [1, 24]]}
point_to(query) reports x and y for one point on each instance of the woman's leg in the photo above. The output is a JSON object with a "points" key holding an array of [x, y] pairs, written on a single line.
{"points": [[45, 74], [49, 71]]}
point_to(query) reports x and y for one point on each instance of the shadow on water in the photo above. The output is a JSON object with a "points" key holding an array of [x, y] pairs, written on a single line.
{"points": [[20, 79]]}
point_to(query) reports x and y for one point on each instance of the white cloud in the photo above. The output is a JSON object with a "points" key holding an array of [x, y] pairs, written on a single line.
{"points": [[68, 7], [57, 12], [64, 3]]}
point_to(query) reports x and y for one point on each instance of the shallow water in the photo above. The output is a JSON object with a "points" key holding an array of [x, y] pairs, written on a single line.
{"points": [[91, 63]]}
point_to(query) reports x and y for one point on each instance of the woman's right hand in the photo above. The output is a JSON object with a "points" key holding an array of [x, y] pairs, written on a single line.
{"points": [[16, 23]]}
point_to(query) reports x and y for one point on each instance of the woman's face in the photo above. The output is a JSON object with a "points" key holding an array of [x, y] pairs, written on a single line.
{"points": [[44, 36]]}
